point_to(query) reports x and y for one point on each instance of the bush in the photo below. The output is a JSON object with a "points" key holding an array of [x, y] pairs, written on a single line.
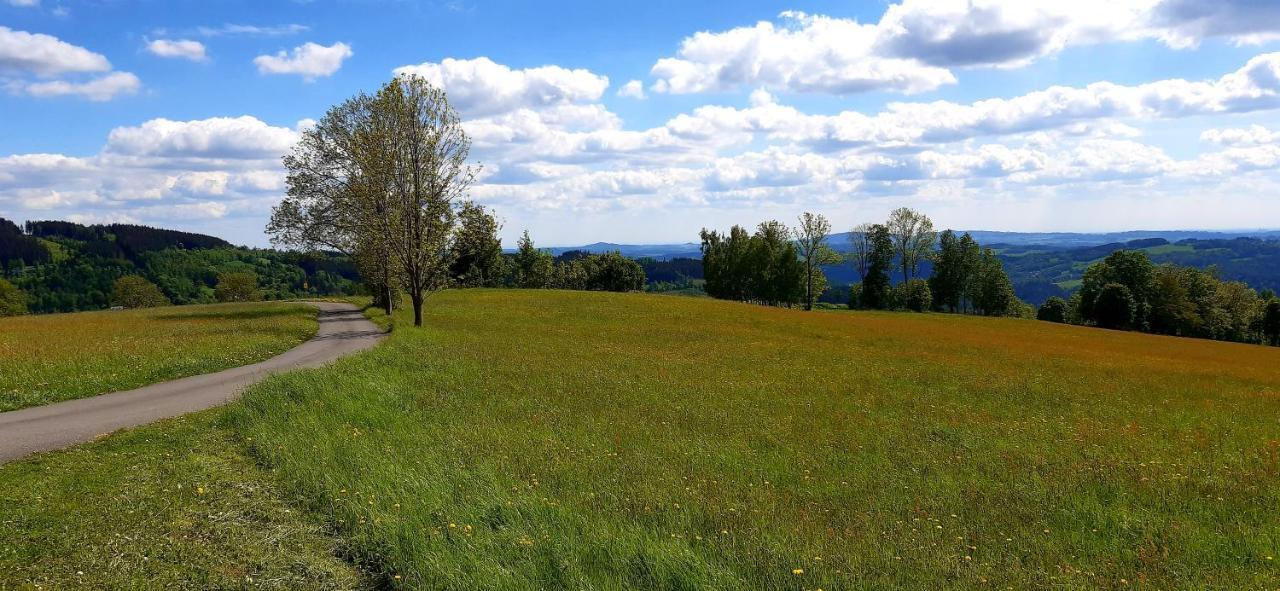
{"points": [[1114, 306], [916, 296], [134, 291], [1053, 309], [237, 287], [12, 301], [855, 296]]}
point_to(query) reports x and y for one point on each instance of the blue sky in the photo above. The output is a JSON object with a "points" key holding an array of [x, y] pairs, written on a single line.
{"points": [[643, 122]]}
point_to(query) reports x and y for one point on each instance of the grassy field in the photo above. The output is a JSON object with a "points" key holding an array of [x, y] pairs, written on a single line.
{"points": [[176, 505], [57, 357], [532, 439]]}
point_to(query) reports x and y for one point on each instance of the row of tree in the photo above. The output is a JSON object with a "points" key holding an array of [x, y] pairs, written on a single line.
{"points": [[779, 266], [538, 269], [1127, 291], [965, 277]]}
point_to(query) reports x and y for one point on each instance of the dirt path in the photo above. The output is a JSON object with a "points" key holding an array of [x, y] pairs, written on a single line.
{"points": [[343, 330]]}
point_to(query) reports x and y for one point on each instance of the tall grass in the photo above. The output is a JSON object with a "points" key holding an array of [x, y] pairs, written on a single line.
{"points": [[534, 439], [56, 357]]}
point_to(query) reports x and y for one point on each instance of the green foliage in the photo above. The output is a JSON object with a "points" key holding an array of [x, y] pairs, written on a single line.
{"points": [[534, 269], [915, 295], [1169, 299], [1271, 321], [600, 272], [1053, 309], [134, 291], [1114, 306], [476, 251], [763, 268], [1130, 268], [237, 287], [875, 293], [185, 267], [954, 267], [12, 301], [913, 239], [537, 269], [991, 292], [811, 239]]}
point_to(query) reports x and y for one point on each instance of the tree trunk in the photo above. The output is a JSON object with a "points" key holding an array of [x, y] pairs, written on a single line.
{"points": [[416, 296], [808, 290]]}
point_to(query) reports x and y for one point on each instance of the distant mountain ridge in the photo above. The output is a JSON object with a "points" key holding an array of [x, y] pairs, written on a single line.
{"points": [[993, 238]]}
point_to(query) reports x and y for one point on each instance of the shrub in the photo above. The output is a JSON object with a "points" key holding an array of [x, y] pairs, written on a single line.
{"points": [[134, 291], [916, 296], [237, 287], [855, 296], [1053, 309], [12, 301]]}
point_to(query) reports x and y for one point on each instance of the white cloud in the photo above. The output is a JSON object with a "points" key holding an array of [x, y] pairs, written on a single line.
{"points": [[103, 88], [309, 60], [45, 55], [916, 43], [806, 54], [1249, 136], [178, 48], [632, 89], [250, 30], [160, 172], [222, 138], [480, 87], [24, 3]]}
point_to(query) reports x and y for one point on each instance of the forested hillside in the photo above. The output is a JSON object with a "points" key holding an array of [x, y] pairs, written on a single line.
{"points": [[66, 267]]}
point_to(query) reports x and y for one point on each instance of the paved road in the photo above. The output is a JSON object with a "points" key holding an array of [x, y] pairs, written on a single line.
{"points": [[343, 330]]}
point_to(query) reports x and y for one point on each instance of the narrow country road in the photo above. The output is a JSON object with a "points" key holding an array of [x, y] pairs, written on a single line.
{"points": [[343, 330]]}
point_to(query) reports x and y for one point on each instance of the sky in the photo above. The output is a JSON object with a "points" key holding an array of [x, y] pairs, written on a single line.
{"points": [[643, 122]]}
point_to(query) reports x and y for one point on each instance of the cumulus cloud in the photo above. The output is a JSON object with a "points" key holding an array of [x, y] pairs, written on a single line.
{"points": [[632, 89], [45, 55], [161, 171], [309, 60], [1184, 23], [234, 138], [178, 48], [806, 53], [480, 87], [916, 43], [103, 88], [1248, 136]]}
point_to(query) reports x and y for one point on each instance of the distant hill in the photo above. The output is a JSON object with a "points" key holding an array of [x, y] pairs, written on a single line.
{"points": [[66, 267], [1055, 240], [1041, 264], [635, 251]]}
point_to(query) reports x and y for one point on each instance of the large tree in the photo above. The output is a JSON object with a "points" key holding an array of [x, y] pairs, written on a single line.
{"points": [[377, 177], [860, 249], [477, 251], [876, 285], [913, 238], [811, 238], [134, 291]]}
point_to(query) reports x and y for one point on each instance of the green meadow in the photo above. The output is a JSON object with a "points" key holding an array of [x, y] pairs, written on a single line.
{"points": [[532, 439], [50, 358], [535, 439]]}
